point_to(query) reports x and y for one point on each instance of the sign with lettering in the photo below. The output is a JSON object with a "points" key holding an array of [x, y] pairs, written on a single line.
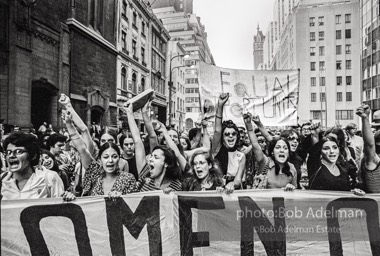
{"points": [[271, 94], [250, 222]]}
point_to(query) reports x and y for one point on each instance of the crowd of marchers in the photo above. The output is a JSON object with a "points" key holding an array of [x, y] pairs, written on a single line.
{"points": [[83, 161]]}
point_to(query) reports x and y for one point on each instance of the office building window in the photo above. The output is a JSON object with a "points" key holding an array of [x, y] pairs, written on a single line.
{"points": [[348, 80], [338, 64], [339, 96], [321, 65], [134, 21], [348, 33], [344, 114], [348, 18], [338, 19], [322, 81], [142, 54], [348, 96], [312, 21], [143, 28], [124, 9], [134, 53], [312, 66], [338, 34], [321, 35], [124, 78], [348, 48], [313, 97], [312, 51], [321, 21], [316, 114], [312, 36], [321, 51], [124, 40], [323, 97], [134, 83], [339, 80], [313, 81], [338, 49], [348, 64], [142, 88]]}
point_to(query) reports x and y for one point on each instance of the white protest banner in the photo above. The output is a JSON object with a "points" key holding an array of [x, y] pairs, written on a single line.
{"points": [[250, 222], [273, 95]]}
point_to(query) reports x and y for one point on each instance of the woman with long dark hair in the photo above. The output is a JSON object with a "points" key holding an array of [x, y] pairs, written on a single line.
{"points": [[224, 148], [275, 170]]}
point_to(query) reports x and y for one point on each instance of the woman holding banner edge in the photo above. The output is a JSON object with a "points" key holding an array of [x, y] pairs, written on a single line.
{"points": [[224, 148]]}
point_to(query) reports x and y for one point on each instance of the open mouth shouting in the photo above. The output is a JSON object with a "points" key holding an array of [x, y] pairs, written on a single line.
{"points": [[14, 164]]}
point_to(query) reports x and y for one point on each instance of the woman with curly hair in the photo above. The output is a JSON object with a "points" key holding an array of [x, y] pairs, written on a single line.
{"points": [[205, 174], [103, 177], [224, 148]]}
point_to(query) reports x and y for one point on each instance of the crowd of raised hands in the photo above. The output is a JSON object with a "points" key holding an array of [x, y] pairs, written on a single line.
{"points": [[77, 163]]}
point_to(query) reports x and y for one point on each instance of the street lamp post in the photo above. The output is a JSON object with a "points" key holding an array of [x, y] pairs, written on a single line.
{"points": [[171, 84]]}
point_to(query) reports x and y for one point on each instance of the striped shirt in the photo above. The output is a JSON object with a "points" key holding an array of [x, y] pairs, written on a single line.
{"points": [[372, 179], [147, 184]]}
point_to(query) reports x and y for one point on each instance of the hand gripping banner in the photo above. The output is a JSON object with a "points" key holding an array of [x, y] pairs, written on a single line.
{"points": [[273, 95], [250, 222]]}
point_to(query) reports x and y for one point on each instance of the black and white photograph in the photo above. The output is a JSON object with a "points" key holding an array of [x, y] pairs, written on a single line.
{"points": [[190, 127]]}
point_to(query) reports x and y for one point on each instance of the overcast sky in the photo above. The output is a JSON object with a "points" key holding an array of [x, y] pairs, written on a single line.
{"points": [[230, 26]]}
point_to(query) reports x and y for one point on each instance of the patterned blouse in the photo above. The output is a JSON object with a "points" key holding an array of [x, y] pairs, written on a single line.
{"points": [[147, 184], [93, 181]]}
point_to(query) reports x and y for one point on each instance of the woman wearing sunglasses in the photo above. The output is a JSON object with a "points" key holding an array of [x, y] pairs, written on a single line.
{"points": [[275, 170], [224, 145]]}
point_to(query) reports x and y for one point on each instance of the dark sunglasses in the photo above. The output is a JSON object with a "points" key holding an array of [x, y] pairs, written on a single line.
{"points": [[230, 134], [291, 138]]}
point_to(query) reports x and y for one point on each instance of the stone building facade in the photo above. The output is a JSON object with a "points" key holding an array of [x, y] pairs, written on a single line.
{"points": [[50, 47]]}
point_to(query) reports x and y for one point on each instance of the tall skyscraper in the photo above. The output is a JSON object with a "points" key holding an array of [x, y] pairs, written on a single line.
{"points": [[258, 42], [370, 48], [321, 39], [185, 6]]}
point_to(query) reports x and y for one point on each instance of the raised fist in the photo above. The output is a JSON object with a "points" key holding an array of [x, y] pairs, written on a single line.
{"points": [[223, 98], [64, 100], [363, 111], [247, 118]]}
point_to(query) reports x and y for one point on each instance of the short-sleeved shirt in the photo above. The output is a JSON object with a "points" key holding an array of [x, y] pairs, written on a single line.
{"points": [[93, 181], [42, 184], [280, 180]]}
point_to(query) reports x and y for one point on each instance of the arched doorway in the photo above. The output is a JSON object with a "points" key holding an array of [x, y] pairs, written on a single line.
{"points": [[97, 115], [41, 104]]}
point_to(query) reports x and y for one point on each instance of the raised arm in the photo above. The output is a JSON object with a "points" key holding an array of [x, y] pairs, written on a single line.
{"points": [[263, 130], [82, 127], [206, 143], [170, 143], [195, 141], [153, 141], [139, 146], [370, 157], [315, 130], [216, 139], [77, 140], [260, 157]]}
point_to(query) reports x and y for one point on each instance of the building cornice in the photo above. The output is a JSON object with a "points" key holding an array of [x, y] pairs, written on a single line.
{"points": [[72, 22]]}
